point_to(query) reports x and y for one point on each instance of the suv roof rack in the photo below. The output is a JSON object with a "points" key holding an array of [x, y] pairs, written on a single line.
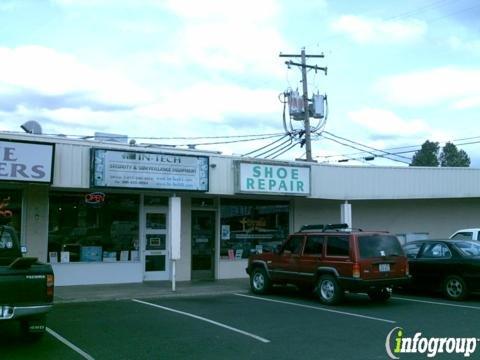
{"points": [[323, 227]]}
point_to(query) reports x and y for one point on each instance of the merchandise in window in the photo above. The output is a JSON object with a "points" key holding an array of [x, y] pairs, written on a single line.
{"points": [[11, 209], [252, 226], [86, 231]]}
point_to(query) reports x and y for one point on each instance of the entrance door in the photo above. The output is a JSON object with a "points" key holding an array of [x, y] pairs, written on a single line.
{"points": [[203, 245], [155, 245]]}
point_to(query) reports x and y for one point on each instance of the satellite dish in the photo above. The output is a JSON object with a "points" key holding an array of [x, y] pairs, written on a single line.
{"points": [[32, 127]]}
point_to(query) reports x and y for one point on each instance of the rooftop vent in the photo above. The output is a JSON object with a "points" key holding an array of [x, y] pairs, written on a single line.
{"points": [[32, 127]]}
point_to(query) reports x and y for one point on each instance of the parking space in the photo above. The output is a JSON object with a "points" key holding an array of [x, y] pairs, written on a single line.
{"points": [[283, 325]]}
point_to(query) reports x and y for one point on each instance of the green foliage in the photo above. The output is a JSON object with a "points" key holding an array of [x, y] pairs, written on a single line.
{"points": [[451, 156], [428, 155]]}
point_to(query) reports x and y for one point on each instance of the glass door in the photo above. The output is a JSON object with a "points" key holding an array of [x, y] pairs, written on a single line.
{"points": [[156, 246], [203, 244]]}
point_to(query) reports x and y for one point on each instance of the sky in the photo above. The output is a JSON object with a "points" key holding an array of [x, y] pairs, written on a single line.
{"points": [[208, 73]]}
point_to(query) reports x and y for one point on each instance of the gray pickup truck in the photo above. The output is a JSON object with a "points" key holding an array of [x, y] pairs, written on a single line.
{"points": [[26, 286]]}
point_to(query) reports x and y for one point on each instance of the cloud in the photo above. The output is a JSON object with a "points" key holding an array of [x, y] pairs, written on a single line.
{"points": [[9, 102], [236, 37], [364, 30], [236, 11], [386, 123], [459, 44], [459, 88], [212, 102], [48, 72]]}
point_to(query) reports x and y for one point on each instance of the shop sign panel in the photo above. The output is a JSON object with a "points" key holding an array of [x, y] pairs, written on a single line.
{"points": [[261, 178], [24, 161], [130, 169]]}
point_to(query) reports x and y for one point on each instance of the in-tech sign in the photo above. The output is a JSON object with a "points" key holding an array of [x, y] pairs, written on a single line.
{"points": [[21, 161], [273, 179], [130, 169]]}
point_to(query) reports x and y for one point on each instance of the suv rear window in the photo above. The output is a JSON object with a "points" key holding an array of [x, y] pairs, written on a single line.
{"points": [[379, 245]]}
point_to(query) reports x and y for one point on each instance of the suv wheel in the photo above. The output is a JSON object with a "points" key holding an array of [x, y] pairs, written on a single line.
{"points": [[379, 294], [259, 281], [328, 290], [455, 288]]}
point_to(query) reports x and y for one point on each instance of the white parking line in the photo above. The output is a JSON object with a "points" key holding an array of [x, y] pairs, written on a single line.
{"points": [[318, 308], [437, 303], [205, 319], [69, 344]]}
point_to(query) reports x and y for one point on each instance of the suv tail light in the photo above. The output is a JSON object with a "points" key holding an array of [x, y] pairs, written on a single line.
{"points": [[50, 286], [356, 270]]}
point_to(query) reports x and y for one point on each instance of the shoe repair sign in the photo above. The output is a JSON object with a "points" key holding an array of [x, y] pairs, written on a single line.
{"points": [[267, 178]]}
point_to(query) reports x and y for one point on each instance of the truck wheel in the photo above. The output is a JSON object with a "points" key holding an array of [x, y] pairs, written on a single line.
{"points": [[33, 328], [259, 281], [328, 290], [454, 288], [379, 295]]}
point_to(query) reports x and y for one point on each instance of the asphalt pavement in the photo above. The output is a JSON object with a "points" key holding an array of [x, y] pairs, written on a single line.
{"points": [[284, 324], [146, 290]]}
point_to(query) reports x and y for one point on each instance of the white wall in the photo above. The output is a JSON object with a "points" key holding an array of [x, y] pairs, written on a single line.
{"points": [[231, 269], [349, 183], [439, 217], [312, 211], [183, 266], [97, 273], [35, 220]]}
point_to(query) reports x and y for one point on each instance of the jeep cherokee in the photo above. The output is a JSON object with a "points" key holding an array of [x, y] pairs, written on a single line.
{"points": [[331, 259]]}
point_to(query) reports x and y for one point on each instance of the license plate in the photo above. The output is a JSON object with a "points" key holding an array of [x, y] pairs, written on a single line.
{"points": [[384, 267]]}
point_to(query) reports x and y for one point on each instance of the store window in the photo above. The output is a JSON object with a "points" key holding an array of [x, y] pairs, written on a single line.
{"points": [[11, 209], [252, 226], [99, 231]]}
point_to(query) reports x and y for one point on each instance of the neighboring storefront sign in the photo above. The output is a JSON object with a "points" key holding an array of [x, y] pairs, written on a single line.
{"points": [[22, 161], [272, 179], [130, 169]]}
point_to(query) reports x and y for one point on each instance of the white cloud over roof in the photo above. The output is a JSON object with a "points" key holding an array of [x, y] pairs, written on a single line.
{"points": [[453, 86], [369, 30]]}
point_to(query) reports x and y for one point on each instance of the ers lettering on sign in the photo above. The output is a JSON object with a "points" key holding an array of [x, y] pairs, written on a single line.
{"points": [[11, 168]]}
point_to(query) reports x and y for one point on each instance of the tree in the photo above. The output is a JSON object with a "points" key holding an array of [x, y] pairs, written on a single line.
{"points": [[451, 156], [427, 155]]}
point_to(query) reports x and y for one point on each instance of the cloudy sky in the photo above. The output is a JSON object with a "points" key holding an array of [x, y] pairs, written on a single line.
{"points": [[399, 72]]}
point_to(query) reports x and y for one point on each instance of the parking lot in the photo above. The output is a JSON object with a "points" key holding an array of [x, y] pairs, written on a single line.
{"points": [[282, 325]]}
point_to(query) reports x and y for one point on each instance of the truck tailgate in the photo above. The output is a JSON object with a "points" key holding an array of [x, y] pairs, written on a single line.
{"points": [[24, 286]]}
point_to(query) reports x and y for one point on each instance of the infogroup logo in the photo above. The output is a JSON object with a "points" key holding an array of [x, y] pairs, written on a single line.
{"points": [[397, 343]]}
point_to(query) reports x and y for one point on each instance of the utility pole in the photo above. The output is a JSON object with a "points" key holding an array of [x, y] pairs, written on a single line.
{"points": [[304, 66]]}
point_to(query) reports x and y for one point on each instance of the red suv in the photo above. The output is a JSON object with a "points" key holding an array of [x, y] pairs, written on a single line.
{"points": [[331, 259]]}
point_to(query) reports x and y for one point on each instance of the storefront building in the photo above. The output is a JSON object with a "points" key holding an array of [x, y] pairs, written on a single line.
{"points": [[105, 212]]}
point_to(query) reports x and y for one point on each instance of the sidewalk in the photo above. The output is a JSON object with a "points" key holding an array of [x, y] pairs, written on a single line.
{"points": [[151, 289]]}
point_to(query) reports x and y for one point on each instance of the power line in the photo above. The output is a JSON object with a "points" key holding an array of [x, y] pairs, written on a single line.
{"points": [[264, 147], [289, 141], [354, 147], [285, 150], [240, 138], [232, 141], [366, 146], [404, 147], [177, 137]]}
